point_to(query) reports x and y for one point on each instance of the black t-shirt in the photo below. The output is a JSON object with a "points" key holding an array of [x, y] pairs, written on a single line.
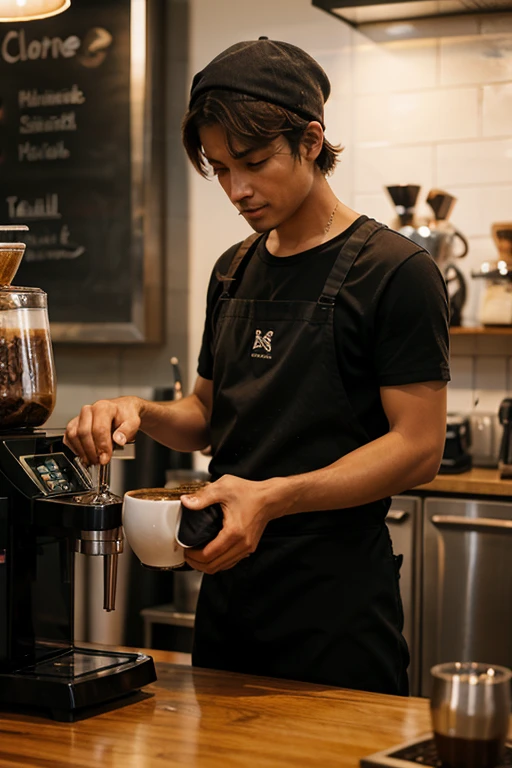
{"points": [[390, 319]]}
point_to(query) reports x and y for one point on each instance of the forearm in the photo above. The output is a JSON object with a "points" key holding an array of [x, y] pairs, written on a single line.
{"points": [[182, 424], [388, 465]]}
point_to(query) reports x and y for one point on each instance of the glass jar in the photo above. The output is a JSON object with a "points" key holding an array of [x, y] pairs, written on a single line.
{"points": [[27, 372]]}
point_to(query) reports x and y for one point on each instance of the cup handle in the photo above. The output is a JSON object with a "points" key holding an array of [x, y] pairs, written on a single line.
{"points": [[177, 531]]}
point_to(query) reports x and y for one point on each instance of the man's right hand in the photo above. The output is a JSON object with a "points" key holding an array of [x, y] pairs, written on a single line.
{"points": [[90, 434]]}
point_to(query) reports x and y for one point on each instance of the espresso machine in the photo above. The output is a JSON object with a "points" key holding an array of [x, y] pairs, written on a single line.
{"points": [[49, 509], [437, 235]]}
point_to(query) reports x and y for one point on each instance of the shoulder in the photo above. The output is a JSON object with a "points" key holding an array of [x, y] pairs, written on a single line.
{"points": [[236, 251], [390, 258], [221, 267], [389, 248], [223, 262]]}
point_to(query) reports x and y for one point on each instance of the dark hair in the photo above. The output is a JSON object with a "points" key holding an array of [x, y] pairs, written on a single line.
{"points": [[252, 123]]}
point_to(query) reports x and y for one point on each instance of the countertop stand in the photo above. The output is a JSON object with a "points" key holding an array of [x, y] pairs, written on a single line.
{"points": [[478, 481]]}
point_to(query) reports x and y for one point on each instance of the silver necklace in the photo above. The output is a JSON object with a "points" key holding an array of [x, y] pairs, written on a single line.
{"points": [[331, 218]]}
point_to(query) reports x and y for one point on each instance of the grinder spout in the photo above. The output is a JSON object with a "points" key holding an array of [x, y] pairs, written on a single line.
{"points": [[109, 544], [109, 582], [105, 542]]}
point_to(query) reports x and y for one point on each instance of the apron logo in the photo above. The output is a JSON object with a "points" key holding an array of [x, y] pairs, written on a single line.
{"points": [[264, 343]]}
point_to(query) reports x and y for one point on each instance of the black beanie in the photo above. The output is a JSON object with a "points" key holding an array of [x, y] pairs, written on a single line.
{"points": [[268, 70]]}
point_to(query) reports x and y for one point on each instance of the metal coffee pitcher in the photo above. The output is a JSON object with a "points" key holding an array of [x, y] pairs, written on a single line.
{"points": [[438, 236]]}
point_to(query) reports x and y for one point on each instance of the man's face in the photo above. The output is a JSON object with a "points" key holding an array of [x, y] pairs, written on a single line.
{"points": [[267, 185]]}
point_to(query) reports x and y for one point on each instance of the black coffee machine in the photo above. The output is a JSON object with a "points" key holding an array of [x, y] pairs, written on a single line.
{"points": [[49, 510]]}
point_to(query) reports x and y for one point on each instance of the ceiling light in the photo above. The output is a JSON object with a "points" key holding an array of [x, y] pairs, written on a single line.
{"points": [[28, 10]]}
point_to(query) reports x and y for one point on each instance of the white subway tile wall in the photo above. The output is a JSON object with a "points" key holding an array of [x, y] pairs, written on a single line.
{"points": [[438, 113], [474, 162], [390, 68], [460, 392], [416, 117], [497, 110], [429, 112], [479, 382], [388, 165], [486, 59], [490, 382]]}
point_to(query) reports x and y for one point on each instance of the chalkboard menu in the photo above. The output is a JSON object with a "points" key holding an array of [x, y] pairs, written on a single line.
{"points": [[74, 167]]}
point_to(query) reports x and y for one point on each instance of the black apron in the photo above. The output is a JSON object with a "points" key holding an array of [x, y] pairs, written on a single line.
{"points": [[319, 600]]}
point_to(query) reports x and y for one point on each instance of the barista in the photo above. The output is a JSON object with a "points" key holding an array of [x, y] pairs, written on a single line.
{"points": [[321, 389]]}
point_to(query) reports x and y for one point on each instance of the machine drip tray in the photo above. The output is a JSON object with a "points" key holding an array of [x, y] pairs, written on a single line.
{"points": [[419, 752], [77, 663], [75, 681]]}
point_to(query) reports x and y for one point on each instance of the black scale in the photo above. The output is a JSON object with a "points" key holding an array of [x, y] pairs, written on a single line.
{"points": [[419, 752]]}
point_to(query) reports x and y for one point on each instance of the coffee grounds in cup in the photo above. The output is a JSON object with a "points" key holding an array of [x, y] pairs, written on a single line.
{"points": [[166, 494]]}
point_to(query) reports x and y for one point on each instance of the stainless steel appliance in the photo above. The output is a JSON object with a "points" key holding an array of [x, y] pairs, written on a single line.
{"points": [[467, 583], [456, 454], [437, 235], [486, 434], [404, 523]]}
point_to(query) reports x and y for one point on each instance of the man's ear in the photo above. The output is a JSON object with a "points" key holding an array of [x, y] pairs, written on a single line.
{"points": [[312, 141]]}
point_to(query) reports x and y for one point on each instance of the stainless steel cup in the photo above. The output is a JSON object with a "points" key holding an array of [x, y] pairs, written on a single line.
{"points": [[470, 711]]}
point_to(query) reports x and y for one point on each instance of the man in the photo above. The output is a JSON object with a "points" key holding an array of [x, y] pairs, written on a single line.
{"points": [[321, 389]]}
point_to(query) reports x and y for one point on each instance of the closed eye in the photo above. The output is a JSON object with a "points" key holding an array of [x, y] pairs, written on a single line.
{"points": [[258, 163]]}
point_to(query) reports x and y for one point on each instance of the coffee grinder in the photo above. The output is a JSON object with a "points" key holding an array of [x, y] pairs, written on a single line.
{"points": [[437, 235], [49, 510]]}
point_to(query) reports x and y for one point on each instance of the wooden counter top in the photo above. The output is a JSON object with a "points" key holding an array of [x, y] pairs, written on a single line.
{"points": [[476, 481], [207, 719]]}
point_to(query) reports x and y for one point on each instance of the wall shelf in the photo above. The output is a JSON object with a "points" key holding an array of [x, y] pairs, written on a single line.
{"points": [[481, 330]]}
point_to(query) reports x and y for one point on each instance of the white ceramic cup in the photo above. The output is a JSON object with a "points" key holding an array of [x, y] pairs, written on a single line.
{"points": [[150, 517]]}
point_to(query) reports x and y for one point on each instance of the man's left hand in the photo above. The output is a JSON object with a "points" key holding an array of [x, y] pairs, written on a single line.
{"points": [[246, 509]]}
